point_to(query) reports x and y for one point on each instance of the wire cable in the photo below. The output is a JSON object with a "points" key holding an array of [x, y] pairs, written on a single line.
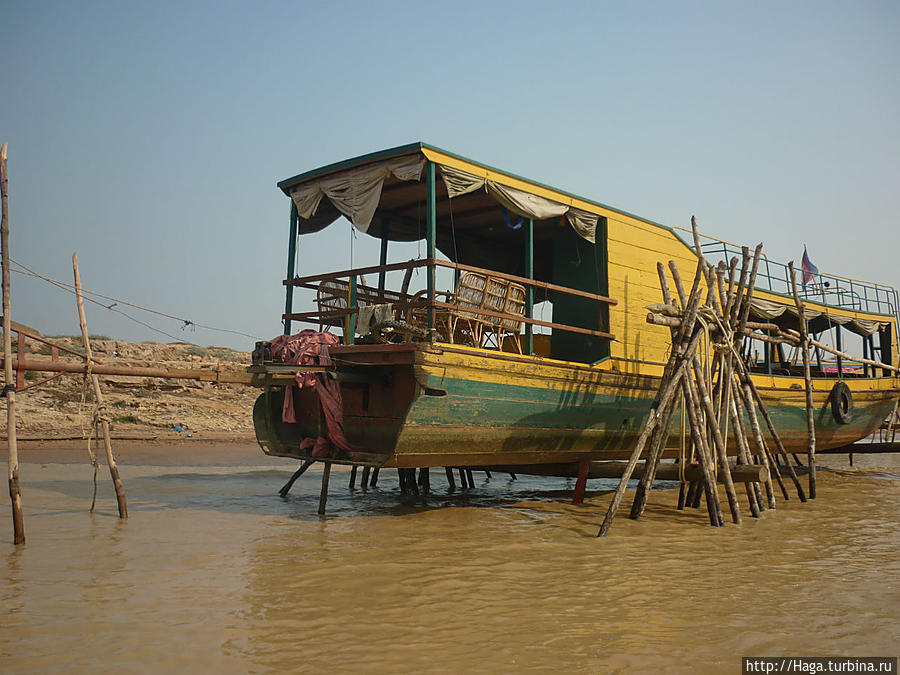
{"points": [[70, 288]]}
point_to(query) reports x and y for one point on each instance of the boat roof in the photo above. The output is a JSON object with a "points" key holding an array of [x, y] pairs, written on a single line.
{"points": [[447, 158]]}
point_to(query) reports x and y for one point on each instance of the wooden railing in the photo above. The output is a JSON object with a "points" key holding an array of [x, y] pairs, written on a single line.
{"points": [[403, 301]]}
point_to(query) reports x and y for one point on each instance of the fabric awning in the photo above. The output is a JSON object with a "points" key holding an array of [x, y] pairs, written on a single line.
{"points": [[355, 193], [520, 202], [787, 316]]}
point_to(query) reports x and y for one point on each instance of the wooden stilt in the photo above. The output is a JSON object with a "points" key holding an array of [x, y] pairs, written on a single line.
{"points": [[762, 452], [660, 435], [682, 492], [450, 481], [744, 455], [748, 386], [353, 477], [323, 494], [470, 477], [364, 481], [463, 482], [15, 492], [98, 395], [293, 479], [512, 476], [703, 453], [665, 393], [425, 480], [804, 351], [581, 483], [374, 481]]}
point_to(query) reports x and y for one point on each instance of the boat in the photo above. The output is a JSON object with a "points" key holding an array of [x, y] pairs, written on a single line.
{"points": [[519, 336]]}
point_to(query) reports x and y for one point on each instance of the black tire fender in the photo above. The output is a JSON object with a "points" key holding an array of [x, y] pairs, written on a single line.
{"points": [[841, 403]]}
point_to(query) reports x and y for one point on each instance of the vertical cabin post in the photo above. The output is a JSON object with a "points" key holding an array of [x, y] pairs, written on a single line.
{"points": [[350, 325], [292, 253], [385, 233], [839, 346], [529, 292], [430, 235], [866, 355]]}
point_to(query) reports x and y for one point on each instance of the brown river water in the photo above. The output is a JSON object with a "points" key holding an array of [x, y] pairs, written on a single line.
{"points": [[214, 572]]}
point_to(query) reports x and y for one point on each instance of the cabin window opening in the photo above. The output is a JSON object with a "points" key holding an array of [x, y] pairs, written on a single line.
{"points": [[580, 265]]}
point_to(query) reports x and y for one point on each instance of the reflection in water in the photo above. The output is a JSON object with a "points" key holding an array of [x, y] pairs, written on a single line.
{"points": [[213, 570]]}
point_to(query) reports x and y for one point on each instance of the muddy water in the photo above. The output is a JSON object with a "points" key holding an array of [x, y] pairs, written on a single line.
{"points": [[214, 571]]}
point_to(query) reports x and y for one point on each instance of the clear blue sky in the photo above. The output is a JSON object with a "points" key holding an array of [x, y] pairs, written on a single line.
{"points": [[148, 137]]}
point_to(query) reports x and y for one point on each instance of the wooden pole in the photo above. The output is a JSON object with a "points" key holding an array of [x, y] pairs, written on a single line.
{"points": [[581, 483], [98, 395], [323, 493], [804, 350], [666, 391], [660, 434], [754, 393], [293, 479], [15, 493]]}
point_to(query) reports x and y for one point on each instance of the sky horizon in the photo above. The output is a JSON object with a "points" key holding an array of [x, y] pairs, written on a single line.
{"points": [[149, 138]]}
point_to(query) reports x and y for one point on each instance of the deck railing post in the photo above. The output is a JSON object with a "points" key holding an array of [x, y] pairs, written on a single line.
{"points": [[350, 325], [292, 253], [385, 232], [430, 235], [529, 291]]}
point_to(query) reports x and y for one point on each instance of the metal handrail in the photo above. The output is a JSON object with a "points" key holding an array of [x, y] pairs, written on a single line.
{"points": [[829, 289]]}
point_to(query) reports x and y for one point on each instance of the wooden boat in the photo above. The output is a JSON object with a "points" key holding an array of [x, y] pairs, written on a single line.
{"points": [[473, 374]]}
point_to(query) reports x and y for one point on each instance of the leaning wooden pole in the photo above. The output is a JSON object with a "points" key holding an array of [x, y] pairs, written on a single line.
{"points": [[98, 395], [15, 494], [804, 351]]}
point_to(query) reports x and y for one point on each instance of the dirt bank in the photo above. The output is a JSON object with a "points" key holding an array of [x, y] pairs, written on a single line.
{"points": [[139, 407]]}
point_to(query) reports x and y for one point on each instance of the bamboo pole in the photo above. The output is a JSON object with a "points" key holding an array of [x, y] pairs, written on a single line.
{"points": [[98, 395], [754, 393], [15, 492], [660, 434], [703, 454], [804, 351], [743, 450], [666, 390]]}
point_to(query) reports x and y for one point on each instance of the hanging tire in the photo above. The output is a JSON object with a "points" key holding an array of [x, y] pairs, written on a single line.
{"points": [[841, 403]]}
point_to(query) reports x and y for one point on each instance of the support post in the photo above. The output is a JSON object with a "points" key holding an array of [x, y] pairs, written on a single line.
{"points": [[292, 254], [323, 494], [430, 236], [15, 494], [293, 479], [581, 483], [350, 325], [804, 350], [382, 260], [529, 291], [98, 395]]}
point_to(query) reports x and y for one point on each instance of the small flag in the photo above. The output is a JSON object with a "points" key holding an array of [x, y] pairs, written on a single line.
{"points": [[809, 270]]}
